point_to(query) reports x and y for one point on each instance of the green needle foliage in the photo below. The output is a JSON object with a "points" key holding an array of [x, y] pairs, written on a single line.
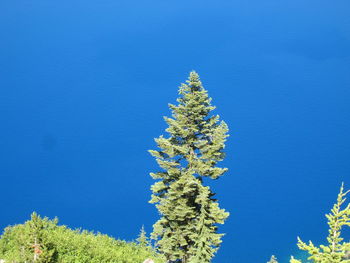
{"points": [[142, 239], [29, 242], [187, 229], [336, 251], [59, 244]]}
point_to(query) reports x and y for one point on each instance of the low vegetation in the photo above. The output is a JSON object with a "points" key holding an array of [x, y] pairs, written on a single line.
{"points": [[42, 240]]}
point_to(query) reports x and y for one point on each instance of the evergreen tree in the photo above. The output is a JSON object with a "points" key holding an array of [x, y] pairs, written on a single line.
{"points": [[336, 251], [29, 242], [142, 239], [42, 249], [187, 229]]}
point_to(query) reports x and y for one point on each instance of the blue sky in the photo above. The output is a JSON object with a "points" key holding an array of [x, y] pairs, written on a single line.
{"points": [[84, 86]]}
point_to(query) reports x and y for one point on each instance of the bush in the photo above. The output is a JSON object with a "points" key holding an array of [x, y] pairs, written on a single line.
{"points": [[42, 240]]}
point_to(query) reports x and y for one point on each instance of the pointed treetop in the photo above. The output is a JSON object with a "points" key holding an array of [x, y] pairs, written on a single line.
{"points": [[194, 80], [194, 76], [187, 229], [142, 238]]}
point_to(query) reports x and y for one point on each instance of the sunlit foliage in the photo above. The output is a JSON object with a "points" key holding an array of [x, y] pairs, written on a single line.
{"points": [[336, 250], [42, 240]]}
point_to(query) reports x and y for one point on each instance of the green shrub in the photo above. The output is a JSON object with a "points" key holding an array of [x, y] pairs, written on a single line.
{"points": [[42, 240]]}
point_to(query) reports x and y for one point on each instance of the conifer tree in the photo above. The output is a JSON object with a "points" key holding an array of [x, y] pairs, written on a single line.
{"points": [[43, 250], [336, 251], [187, 229], [142, 239]]}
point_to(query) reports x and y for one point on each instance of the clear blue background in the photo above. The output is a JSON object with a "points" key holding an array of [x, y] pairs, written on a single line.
{"points": [[84, 86]]}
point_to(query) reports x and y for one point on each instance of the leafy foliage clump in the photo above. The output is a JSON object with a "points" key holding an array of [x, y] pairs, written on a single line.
{"points": [[43, 240]]}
